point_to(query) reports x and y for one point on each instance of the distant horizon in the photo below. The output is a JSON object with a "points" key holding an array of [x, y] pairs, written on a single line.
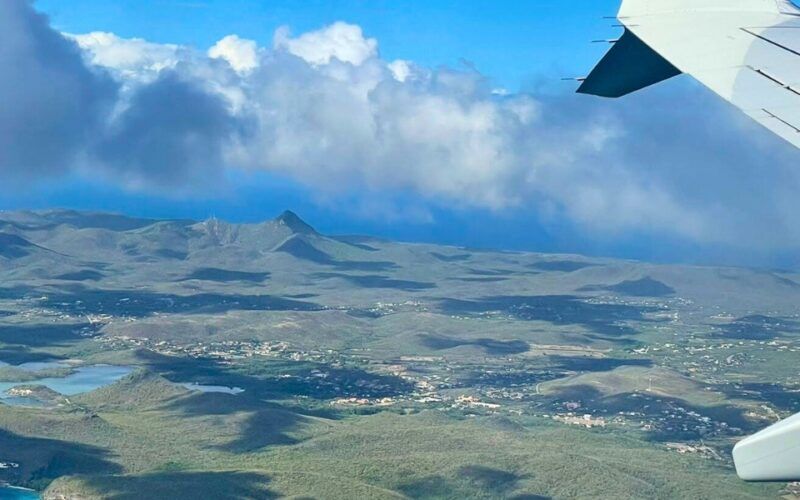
{"points": [[378, 237]]}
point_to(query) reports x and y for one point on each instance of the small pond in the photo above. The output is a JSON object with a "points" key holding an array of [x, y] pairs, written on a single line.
{"points": [[83, 379], [214, 388]]}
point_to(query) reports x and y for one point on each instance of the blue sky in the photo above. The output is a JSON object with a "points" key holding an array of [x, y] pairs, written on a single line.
{"points": [[384, 118], [516, 43]]}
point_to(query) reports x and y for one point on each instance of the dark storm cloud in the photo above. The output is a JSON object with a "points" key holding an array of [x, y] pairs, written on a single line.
{"points": [[51, 103], [59, 114], [172, 133]]}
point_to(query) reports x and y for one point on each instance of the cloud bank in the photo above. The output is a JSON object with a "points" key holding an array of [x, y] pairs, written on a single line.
{"points": [[51, 103], [324, 108]]}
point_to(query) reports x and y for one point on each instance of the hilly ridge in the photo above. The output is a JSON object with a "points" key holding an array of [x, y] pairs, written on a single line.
{"points": [[296, 361], [93, 247]]}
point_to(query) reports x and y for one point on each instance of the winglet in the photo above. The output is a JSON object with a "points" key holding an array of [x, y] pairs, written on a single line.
{"points": [[629, 66]]}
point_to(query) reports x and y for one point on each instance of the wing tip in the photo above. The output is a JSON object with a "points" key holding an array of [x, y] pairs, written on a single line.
{"points": [[629, 66]]}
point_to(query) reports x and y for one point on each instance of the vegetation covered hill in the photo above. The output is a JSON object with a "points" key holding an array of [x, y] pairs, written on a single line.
{"points": [[352, 367]]}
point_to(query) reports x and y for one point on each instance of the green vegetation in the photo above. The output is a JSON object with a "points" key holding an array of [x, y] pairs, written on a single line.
{"points": [[372, 369], [379, 456]]}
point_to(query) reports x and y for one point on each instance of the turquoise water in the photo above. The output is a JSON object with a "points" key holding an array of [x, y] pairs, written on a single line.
{"points": [[84, 379], [9, 493], [214, 388]]}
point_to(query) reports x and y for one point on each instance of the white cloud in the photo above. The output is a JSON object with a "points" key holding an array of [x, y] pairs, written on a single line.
{"points": [[241, 54], [325, 109], [132, 57], [401, 70], [342, 41]]}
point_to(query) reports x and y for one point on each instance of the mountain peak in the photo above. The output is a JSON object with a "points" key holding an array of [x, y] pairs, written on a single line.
{"points": [[294, 222]]}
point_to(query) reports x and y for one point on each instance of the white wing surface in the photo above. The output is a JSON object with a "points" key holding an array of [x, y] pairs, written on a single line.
{"points": [[747, 51], [771, 455]]}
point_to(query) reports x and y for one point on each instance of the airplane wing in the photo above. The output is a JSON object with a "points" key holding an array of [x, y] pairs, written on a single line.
{"points": [[746, 51], [771, 455]]}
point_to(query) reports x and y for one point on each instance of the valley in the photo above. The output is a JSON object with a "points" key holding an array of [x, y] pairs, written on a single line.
{"points": [[266, 360]]}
